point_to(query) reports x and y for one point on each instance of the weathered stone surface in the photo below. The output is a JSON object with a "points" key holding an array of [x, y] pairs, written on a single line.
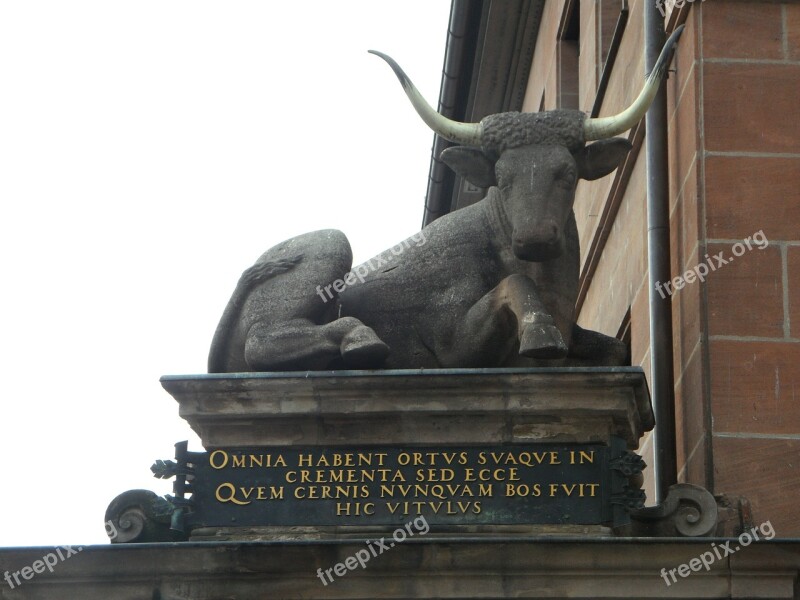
{"points": [[494, 284], [422, 567], [140, 516], [415, 407]]}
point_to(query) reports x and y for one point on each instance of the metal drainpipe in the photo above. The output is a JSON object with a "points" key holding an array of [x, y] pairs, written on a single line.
{"points": [[439, 173], [658, 251]]}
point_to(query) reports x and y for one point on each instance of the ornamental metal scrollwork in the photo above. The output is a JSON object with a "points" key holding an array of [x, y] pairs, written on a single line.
{"points": [[138, 516], [628, 463]]}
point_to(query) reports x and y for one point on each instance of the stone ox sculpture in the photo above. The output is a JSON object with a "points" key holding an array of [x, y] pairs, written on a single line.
{"points": [[490, 285]]}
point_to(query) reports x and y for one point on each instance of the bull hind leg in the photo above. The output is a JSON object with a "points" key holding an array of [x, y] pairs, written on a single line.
{"points": [[283, 314], [303, 344]]}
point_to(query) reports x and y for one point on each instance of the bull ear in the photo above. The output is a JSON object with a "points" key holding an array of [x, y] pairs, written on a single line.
{"points": [[599, 159], [472, 164]]}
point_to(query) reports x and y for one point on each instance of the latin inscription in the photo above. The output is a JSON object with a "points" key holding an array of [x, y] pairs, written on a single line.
{"points": [[519, 484]]}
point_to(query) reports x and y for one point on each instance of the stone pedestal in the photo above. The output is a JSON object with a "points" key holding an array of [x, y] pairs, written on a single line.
{"points": [[407, 412], [456, 406], [418, 414]]}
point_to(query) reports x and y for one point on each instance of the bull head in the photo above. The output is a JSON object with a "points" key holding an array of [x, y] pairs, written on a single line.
{"points": [[535, 159]]}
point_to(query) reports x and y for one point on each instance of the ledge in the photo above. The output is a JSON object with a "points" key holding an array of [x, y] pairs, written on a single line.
{"points": [[421, 567], [448, 406]]}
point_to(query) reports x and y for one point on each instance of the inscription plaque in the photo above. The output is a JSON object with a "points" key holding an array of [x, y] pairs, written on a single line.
{"points": [[581, 484]]}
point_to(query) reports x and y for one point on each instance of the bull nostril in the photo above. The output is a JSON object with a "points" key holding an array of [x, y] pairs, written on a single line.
{"points": [[550, 233]]}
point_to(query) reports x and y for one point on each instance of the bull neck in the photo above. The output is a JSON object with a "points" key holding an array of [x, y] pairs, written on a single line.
{"points": [[496, 213]]}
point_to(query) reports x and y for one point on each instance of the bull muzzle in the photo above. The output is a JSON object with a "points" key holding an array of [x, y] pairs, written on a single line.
{"points": [[540, 242]]}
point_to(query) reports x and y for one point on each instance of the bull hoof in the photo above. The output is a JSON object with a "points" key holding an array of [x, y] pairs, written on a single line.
{"points": [[363, 349], [542, 340]]}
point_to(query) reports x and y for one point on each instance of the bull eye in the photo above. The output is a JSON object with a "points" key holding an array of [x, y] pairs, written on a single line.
{"points": [[567, 178], [503, 182]]}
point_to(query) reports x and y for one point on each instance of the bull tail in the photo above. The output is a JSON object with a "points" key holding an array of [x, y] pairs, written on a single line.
{"points": [[258, 273]]}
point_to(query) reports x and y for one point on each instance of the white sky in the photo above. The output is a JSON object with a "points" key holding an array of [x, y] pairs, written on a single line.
{"points": [[149, 153]]}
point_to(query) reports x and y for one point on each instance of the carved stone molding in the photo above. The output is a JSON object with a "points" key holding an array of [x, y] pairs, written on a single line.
{"points": [[688, 511], [139, 516]]}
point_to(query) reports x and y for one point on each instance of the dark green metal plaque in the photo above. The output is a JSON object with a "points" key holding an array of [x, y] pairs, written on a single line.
{"points": [[584, 484]]}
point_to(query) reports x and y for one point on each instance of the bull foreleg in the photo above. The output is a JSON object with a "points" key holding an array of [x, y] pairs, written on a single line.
{"points": [[512, 312], [302, 344]]}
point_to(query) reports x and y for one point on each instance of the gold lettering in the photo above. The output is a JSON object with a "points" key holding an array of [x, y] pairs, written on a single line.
{"points": [[220, 453], [238, 461], [435, 475], [437, 491], [358, 509], [231, 496], [523, 489], [583, 457], [454, 489]]}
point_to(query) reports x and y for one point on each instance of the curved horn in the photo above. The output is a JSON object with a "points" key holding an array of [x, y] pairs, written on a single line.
{"points": [[461, 133], [606, 127]]}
